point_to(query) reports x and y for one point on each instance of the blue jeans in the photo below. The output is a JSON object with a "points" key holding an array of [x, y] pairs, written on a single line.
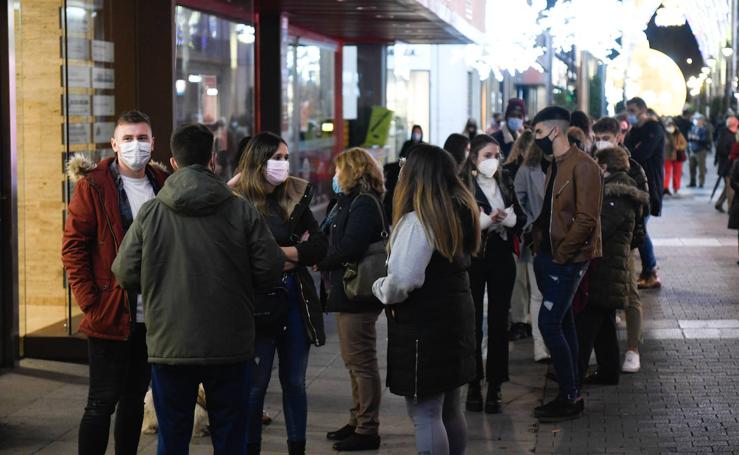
{"points": [[175, 391], [292, 347], [646, 252], [558, 284]]}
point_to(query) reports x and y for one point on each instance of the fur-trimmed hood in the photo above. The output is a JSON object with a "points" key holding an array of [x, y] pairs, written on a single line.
{"points": [[621, 185], [80, 166]]}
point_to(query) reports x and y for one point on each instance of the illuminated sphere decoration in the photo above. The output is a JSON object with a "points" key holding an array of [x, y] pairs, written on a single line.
{"points": [[657, 79]]}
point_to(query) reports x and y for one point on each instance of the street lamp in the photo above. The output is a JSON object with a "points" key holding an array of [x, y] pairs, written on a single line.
{"points": [[727, 52], [710, 61]]}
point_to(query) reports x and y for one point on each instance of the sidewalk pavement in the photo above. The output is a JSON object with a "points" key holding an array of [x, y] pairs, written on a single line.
{"points": [[684, 400]]}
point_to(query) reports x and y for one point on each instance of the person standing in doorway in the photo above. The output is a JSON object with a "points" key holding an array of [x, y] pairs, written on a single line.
{"points": [[567, 236], [107, 197]]}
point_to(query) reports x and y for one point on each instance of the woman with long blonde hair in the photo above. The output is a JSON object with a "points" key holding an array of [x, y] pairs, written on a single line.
{"points": [[284, 203], [356, 221], [431, 314]]}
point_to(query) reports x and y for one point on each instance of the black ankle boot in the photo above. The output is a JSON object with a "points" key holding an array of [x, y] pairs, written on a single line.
{"points": [[253, 449], [296, 447], [494, 400], [474, 397]]}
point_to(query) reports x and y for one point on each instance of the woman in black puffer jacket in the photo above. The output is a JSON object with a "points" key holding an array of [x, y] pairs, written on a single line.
{"points": [[623, 204]]}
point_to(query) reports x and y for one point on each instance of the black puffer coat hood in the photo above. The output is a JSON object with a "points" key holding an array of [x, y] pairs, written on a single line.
{"points": [[623, 202]]}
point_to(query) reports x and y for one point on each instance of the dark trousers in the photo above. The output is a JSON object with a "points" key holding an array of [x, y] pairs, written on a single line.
{"points": [[558, 284], [596, 328], [119, 375], [292, 346], [175, 391], [497, 269]]}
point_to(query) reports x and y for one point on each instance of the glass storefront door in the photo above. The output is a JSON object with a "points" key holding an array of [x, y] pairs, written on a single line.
{"points": [[309, 114], [215, 80]]}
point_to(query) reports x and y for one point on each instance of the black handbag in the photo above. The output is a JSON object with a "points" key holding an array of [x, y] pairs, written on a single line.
{"points": [[270, 310]]}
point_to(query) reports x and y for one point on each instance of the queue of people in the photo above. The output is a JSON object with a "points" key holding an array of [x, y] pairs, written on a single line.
{"points": [[187, 280]]}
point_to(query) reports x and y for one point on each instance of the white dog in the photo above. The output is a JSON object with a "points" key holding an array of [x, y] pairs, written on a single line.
{"points": [[201, 425]]}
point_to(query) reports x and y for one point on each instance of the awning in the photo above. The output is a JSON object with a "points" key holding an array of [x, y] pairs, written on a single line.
{"points": [[386, 21]]}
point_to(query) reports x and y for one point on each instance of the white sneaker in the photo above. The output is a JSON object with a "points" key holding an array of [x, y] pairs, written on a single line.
{"points": [[631, 362]]}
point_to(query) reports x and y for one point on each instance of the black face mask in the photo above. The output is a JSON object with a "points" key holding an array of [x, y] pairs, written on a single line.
{"points": [[545, 144]]}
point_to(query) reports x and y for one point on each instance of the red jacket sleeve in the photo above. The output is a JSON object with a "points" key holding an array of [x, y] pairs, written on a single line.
{"points": [[80, 233]]}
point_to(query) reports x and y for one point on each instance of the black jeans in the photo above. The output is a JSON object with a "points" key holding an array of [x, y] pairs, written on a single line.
{"points": [[596, 328], [497, 269], [119, 374]]}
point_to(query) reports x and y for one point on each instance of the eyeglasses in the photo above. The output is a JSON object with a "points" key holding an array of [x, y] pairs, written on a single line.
{"points": [[401, 162]]}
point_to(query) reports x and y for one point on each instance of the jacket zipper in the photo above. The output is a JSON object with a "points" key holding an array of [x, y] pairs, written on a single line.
{"points": [[415, 379], [551, 217], [307, 312], [563, 187], [115, 242]]}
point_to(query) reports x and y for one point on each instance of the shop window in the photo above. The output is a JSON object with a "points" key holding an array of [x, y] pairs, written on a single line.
{"points": [[309, 115], [214, 80]]}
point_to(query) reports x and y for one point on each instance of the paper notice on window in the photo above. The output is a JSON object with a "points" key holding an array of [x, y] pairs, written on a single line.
{"points": [[79, 133], [102, 51], [78, 76], [78, 105], [103, 78], [78, 48], [103, 132], [103, 105], [78, 20]]}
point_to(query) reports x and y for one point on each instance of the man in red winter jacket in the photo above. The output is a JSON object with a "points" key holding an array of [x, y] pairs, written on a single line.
{"points": [[107, 196]]}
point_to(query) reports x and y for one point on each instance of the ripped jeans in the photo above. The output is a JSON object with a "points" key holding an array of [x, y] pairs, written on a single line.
{"points": [[558, 283]]}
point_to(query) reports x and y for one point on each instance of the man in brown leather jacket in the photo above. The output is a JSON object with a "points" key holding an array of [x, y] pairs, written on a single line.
{"points": [[566, 236]]}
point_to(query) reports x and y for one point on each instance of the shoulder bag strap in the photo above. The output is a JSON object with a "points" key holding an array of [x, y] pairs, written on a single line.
{"points": [[384, 234]]}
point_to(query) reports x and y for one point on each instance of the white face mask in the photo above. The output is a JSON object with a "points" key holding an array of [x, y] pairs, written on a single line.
{"points": [[135, 154], [670, 129], [488, 167], [277, 171], [602, 145]]}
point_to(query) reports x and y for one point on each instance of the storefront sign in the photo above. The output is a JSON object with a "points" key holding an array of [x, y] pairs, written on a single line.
{"points": [[78, 76], [103, 78], [78, 105], [103, 51], [79, 133], [379, 127], [103, 132], [78, 48], [103, 105]]}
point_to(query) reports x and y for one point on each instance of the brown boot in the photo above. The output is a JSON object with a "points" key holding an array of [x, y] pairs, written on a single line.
{"points": [[652, 281]]}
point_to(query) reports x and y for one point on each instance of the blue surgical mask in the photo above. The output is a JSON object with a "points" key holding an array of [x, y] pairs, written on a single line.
{"points": [[335, 185], [515, 124], [632, 119]]}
